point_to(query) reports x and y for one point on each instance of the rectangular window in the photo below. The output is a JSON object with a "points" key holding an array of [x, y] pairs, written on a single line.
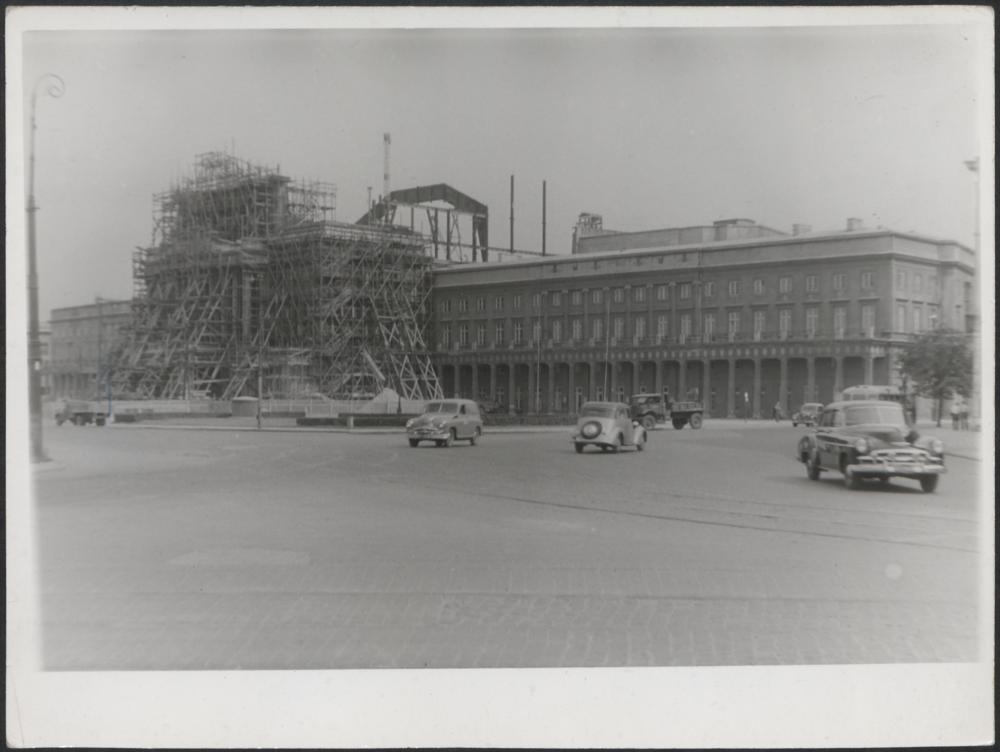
{"points": [[867, 281], [597, 297], [619, 327], [640, 327], [498, 303], [619, 294], [516, 302], [918, 283], [577, 330], [785, 285], [685, 291], [598, 330], [446, 338], [784, 323], [758, 325], [536, 330], [662, 327], [518, 332], [639, 294], [839, 282], [685, 327], [556, 330], [463, 305], [900, 317], [480, 304], [734, 288], [868, 320], [480, 334], [900, 279], [708, 326], [709, 289], [812, 283], [758, 287], [576, 297], [463, 335], [917, 321], [445, 306], [839, 322], [733, 327], [536, 300], [500, 331], [556, 298], [812, 322], [661, 293]]}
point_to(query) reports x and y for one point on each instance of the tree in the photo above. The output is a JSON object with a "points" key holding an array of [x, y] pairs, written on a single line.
{"points": [[938, 365]]}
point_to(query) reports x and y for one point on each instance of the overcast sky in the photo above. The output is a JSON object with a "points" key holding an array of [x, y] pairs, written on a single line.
{"points": [[650, 127]]}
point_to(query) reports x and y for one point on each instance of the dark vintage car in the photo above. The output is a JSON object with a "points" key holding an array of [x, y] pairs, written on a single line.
{"points": [[870, 440], [446, 421], [808, 414], [607, 425]]}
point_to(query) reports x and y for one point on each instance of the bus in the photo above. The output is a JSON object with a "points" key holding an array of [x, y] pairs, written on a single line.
{"points": [[881, 392]]}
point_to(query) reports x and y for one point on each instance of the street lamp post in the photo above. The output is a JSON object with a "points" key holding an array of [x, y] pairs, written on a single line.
{"points": [[974, 401], [54, 88]]}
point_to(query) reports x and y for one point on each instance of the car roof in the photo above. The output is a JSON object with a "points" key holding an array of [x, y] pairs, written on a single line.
{"points": [[860, 403], [604, 404]]}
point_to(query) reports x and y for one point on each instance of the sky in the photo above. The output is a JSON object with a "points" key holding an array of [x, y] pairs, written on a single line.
{"points": [[648, 126]]}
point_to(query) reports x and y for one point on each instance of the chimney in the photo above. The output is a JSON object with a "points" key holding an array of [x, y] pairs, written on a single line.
{"points": [[800, 229], [853, 224]]}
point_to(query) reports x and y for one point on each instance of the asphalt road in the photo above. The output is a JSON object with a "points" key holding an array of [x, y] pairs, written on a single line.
{"points": [[193, 549]]}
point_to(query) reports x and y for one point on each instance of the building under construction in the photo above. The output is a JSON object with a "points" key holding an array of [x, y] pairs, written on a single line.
{"points": [[250, 285]]}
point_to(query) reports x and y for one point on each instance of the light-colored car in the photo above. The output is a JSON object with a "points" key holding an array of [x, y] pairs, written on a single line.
{"points": [[808, 414], [868, 441], [446, 421], [607, 425]]}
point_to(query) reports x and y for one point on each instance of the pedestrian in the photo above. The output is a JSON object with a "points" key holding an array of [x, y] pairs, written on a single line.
{"points": [[955, 411], [963, 415], [776, 412]]}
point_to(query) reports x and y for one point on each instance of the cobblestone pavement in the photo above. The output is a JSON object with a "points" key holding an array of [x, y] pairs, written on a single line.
{"points": [[273, 551]]}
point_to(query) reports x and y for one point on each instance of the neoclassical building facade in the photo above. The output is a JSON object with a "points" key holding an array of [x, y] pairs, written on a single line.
{"points": [[735, 314]]}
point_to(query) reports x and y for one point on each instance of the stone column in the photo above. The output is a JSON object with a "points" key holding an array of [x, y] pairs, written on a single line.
{"points": [[571, 387], [475, 381], [682, 367], [658, 377], [532, 405], [783, 383], [493, 381], [510, 386], [551, 398], [869, 368], [706, 381], [757, 407], [838, 375], [810, 379], [731, 398]]}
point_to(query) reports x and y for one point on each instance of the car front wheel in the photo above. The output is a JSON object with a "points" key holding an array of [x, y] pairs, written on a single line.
{"points": [[649, 422], [696, 421], [414, 442], [579, 448], [450, 440], [640, 444], [475, 436], [678, 423], [928, 483]]}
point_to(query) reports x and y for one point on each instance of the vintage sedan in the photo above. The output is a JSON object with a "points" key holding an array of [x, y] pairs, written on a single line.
{"points": [[607, 425], [870, 440], [446, 421], [808, 414]]}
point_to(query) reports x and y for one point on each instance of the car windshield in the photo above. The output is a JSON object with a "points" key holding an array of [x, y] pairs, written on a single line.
{"points": [[441, 407], [811, 407], [597, 411], [645, 400], [889, 414]]}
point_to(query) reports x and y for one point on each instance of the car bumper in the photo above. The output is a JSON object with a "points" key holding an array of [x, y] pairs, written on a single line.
{"points": [[895, 469], [427, 434]]}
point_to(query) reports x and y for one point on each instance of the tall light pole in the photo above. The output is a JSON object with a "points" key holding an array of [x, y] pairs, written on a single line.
{"points": [[974, 401], [54, 88]]}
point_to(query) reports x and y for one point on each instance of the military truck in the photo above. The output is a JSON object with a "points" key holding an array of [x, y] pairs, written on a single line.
{"points": [[650, 409], [80, 413]]}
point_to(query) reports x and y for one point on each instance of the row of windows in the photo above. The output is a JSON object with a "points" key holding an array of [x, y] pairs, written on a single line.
{"points": [[710, 325], [684, 291], [904, 278]]}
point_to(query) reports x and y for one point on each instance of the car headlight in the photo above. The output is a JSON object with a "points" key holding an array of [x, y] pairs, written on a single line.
{"points": [[936, 446], [861, 446], [438, 422], [409, 423]]}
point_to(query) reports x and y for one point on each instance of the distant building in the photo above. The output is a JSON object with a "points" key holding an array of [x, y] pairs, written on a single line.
{"points": [[737, 314], [82, 339]]}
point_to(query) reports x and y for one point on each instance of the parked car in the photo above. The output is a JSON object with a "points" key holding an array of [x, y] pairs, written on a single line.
{"points": [[81, 413], [870, 440], [446, 421], [489, 407], [808, 414], [608, 426]]}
